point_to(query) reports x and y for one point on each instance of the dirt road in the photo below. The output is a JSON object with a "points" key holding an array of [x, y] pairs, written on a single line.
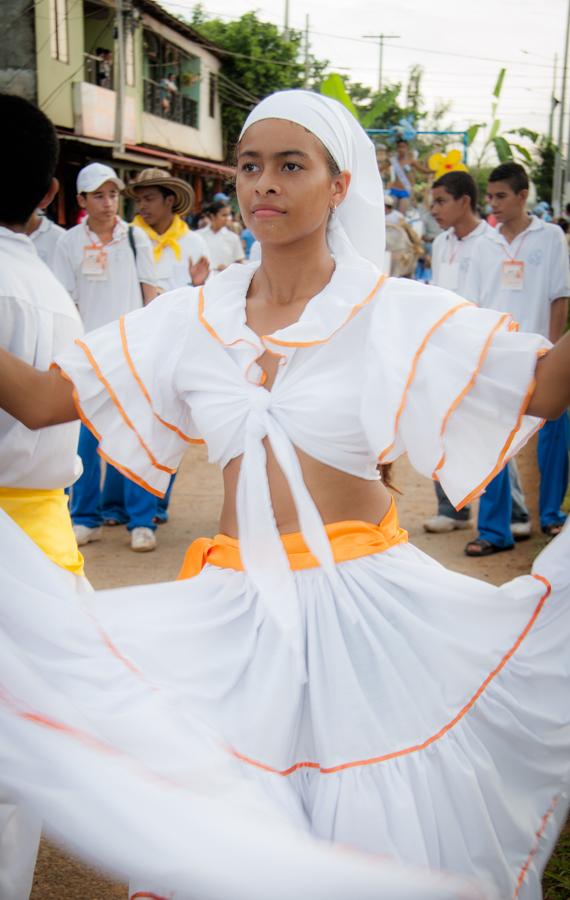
{"points": [[195, 507]]}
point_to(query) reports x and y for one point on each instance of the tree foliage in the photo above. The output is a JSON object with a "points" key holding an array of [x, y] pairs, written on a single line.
{"points": [[260, 60]]}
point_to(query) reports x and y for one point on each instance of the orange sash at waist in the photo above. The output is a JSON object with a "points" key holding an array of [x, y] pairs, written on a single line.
{"points": [[349, 540]]}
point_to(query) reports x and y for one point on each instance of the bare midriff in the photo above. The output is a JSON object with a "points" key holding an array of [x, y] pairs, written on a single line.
{"points": [[339, 497]]}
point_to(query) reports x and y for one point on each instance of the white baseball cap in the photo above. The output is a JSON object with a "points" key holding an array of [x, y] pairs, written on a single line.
{"points": [[94, 175]]}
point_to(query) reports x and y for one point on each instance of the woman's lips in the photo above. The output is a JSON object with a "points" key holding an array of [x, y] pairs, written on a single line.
{"points": [[267, 212]]}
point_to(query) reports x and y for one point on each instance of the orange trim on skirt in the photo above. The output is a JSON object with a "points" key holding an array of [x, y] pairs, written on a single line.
{"points": [[349, 540]]}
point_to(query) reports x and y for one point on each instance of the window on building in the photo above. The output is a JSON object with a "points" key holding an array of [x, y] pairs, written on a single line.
{"points": [[59, 42], [171, 81], [213, 90], [129, 56]]}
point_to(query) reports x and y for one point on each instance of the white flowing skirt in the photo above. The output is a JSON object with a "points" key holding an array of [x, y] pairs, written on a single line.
{"points": [[164, 732]]}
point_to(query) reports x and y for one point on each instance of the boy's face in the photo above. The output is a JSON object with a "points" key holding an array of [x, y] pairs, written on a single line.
{"points": [[102, 204], [504, 202], [445, 209], [152, 205]]}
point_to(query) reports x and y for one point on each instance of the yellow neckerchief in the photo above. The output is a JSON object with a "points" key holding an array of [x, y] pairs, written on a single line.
{"points": [[170, 238]]}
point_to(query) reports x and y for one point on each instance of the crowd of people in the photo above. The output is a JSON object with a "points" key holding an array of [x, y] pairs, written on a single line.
{"points": [[312, 682]]}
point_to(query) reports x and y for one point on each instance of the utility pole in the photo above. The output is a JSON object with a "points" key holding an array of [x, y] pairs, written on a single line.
{"points": [[286, 26], [553, 101], [380, 38], [307, 66], [558, 186], [120, 85]]}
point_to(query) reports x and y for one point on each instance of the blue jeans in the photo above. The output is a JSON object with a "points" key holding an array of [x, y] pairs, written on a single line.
{"points": [[121, 499], [162, 507], [519, 511], [495, 505]]}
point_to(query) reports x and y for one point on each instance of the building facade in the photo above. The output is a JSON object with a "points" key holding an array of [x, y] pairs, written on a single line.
{"points": [[66, 56]]}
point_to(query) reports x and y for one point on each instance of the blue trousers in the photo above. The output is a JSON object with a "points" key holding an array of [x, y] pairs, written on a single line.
{"points": [[121, 499], [162, 508], [495, 505], [519, 512]]}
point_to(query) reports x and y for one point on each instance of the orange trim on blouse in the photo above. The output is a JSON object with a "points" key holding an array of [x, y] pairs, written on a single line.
{"points": [[351, 315], [349, 540], [145, 393], [124, 416], [406, 751], [413, 369], [144, 895], [501, 461], [88, 424], [461, 396]]}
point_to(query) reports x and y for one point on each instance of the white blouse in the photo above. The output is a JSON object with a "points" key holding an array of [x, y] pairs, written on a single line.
{"points": [[372, 369]]}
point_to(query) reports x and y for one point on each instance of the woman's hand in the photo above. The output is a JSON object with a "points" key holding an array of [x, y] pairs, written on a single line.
{"points": [[199, 271], [37, 399]]}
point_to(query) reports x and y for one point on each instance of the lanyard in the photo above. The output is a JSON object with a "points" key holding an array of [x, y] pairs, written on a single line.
{"points": [[94, 244], [518, 250]]}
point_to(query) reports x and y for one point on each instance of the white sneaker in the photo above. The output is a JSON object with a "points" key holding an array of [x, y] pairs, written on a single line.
{"points": [[85, 535], [143, 540], [521, 530], [443, 524]]}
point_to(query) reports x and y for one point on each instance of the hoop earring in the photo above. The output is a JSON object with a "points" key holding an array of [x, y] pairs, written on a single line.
{"points": [[332, 210]]}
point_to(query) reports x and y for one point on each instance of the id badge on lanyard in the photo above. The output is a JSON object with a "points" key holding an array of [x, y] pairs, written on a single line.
{"points": [[512, 275], [94, 266]]}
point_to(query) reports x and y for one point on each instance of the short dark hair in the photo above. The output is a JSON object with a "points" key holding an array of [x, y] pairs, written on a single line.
{"points": [[513, 174], [28, 153], [459, 184], [214, 208]]}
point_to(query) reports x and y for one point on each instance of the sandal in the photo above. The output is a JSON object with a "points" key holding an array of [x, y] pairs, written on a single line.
{"points": [[483, 548], [552, 530]]}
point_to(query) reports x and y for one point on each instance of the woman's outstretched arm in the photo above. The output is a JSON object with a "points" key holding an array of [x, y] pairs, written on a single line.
{"points": [[552, 393], [36, 398]]}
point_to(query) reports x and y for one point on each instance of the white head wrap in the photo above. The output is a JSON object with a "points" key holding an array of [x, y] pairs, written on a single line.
{"points": [[358, 223]]}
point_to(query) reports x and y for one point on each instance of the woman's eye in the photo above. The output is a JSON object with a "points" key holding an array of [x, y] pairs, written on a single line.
{"points": [[292, 167], [248, 167]]}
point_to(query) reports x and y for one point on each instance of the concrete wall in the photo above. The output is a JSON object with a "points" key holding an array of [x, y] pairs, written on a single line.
{"points": [[55, 78], [17, 49]]}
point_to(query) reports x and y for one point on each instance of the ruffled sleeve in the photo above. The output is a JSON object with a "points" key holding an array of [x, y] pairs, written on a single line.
{"points": [[449, 384], [126, 392]]}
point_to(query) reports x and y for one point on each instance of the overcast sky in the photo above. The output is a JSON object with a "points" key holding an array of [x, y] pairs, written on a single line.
{"points": [[460, 45]]}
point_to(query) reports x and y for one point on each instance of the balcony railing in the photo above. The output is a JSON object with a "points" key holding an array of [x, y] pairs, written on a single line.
{"points": [[160, 101]]}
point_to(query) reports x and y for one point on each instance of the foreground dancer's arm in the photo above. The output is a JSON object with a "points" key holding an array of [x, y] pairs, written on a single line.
{"points": [[39, 399]]}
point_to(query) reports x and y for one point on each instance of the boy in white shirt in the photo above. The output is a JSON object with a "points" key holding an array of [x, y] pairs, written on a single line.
{"points": [[109, 273], [37, 321], [521, 267], [180, 255], [454, 207], [45, 234], [223, 245]]}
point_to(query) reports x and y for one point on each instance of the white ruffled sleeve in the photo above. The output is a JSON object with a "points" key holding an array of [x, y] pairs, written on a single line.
{"points": [[125, 389], [449, 384]]}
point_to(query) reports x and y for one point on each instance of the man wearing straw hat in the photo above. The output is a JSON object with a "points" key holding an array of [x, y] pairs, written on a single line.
{"points": [[181, 256]]}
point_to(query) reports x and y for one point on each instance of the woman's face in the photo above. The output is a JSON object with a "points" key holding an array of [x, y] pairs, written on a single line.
{"points": [[284, 185]]}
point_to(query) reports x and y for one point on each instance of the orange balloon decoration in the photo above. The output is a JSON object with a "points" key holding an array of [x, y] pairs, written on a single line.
{"points": [[451, 162]]}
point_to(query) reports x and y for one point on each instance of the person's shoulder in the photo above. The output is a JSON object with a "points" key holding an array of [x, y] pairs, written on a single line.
{"points": [[141, 239]]}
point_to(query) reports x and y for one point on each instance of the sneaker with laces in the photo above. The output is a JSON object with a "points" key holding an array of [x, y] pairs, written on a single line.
{"points": [[443, 524], [85, 535], [143, 540]]}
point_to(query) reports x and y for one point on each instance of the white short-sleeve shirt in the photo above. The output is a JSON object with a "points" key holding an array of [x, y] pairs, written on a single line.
{"points": [[451, 257], [543, 251], [224, 246], [46, 238], [172, 273], [103, 298], [38, 320]]}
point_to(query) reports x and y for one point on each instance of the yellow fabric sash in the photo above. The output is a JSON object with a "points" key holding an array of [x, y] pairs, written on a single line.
{"points": [[44, 516], [170, 238], [349, 540]]}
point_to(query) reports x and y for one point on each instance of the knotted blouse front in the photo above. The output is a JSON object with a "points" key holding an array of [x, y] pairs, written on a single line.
{"points": [[374, 367]]}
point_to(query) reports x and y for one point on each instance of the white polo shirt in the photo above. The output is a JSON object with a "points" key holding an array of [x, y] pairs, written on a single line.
{"points": [[45, 238], [38, 320], [172, 273], [105, 290], [451, 257], [224, 246], [543, 277]]}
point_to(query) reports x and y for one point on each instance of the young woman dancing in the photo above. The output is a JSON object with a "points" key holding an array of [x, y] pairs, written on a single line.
{"points": [[376, 699]]}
